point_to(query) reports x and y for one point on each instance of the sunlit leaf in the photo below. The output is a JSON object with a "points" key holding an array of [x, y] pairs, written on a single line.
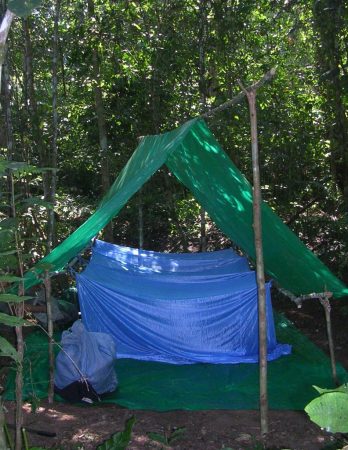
{"points": [[330, 411]]}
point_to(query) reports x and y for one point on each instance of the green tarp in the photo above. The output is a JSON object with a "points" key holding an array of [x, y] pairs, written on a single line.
{"points": [[196, 159], [163, 387]]}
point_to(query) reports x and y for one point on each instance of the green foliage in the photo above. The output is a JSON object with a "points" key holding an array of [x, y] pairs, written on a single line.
{"points": [[12, 321], [13, 298], [7, 349], [150, 77], [168, 438], [120, 440], [38, 201], [330, 409], [10, 279], [12, 255], [23, 8]]}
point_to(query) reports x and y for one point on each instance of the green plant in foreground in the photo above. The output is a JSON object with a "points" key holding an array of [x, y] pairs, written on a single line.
{"points": [[167, 438], [330, 409], [120, 440]]}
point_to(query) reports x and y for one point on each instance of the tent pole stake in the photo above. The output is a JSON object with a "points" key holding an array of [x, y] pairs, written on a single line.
{"points": [[48, 294], [260, 271], [327, 308]]}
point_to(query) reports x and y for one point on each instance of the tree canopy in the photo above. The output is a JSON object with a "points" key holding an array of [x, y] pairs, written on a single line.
{"points": [[126, 69]]}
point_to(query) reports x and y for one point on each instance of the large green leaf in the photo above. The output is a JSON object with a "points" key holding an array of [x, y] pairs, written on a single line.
{"points": [[23, 8], [13, 298], [330, 411], [12, 321], [7, 349], [119, 441]]}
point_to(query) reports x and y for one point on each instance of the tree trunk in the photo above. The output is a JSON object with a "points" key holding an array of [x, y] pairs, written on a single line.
{"points": [[51, 237], [4, 29], [99, 108], [8, 127], [19, 310], [203, 91], [34, 114], [331, 54]]}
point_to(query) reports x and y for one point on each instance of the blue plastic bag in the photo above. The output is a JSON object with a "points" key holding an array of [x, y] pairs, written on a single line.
{"points": [[87, 356]]}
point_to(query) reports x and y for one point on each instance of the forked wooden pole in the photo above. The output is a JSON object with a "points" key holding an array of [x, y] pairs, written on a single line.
{"points": [[327, 308], [47, 283], [260, 273]]}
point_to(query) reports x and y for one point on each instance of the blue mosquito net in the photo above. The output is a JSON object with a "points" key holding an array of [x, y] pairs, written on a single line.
{"points": [[175, 308]]}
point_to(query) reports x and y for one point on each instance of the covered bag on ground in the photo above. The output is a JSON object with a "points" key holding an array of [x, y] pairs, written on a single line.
{"points": [[93, 354]]}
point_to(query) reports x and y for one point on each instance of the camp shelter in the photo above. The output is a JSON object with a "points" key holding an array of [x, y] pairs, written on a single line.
{"points": [[175, 308], [194, 156]]}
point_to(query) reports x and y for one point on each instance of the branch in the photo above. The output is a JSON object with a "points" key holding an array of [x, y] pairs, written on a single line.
{"points": [[268, 76], [299, 299]]}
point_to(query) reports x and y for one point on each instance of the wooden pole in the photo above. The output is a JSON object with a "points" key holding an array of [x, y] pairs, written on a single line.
{"points": [[327, 308], [47, 283], [260, 273], [141, 218]]}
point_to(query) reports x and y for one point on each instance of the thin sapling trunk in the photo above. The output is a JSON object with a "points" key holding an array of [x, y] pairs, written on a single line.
{"points": [[260, 273], [47, 283]]}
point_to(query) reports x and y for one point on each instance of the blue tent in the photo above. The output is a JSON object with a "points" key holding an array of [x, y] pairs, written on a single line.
{"points": [[175, 308]]}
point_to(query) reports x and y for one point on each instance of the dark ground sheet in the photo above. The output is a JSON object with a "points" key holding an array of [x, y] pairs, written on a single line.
{"points": [[167, 387], [85, 427]]}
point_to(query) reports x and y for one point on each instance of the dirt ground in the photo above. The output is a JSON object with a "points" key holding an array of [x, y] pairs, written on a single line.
{"points": [[87, 427], [79, 427]]}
